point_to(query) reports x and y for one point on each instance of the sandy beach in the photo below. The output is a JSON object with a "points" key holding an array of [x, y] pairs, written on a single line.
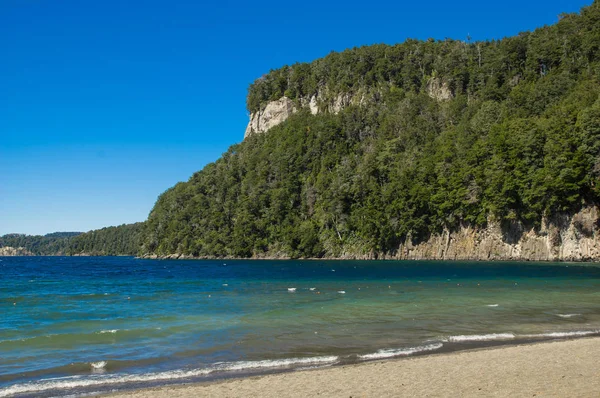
{"points": [[551, 369]]}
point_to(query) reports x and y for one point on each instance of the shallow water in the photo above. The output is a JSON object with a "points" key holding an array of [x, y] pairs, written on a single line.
{"points": [[77, 325]]}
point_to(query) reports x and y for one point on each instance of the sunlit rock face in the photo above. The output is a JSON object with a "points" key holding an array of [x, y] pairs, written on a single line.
{"points": [[273, 114]]}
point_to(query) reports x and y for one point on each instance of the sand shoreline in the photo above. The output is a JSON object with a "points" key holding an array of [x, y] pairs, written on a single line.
{"points": [[564, 368]]}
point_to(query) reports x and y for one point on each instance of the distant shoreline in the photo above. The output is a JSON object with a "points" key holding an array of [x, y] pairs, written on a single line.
{"points": [[556, 368], [284, 258], [366, 258]]}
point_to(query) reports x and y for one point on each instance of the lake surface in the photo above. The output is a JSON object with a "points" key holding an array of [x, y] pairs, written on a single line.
{"points": [[78, 325]]}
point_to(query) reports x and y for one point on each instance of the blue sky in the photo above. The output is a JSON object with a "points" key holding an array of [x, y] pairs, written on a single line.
{"points": [[106, 104]]}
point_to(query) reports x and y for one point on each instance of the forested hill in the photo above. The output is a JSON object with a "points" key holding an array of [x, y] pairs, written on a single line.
{"points": [[50, 244], [452, 134], [111, 241]]}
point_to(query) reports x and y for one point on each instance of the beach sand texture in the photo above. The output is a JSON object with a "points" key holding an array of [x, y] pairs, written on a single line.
{"points": [[552, 369]]}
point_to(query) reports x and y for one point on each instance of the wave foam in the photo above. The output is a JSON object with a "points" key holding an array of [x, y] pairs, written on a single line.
{"points": [[401, 352], [113, 331], [98, 380], [481, 337], [276, 363], [567, 315], [564, 334], [98, 365]]}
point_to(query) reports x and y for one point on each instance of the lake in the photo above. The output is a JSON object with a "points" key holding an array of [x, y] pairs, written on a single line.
{"points": [[79, 325]]}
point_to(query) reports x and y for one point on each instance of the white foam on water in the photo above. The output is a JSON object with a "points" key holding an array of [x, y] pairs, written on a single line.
{"points": [[341, 291], [481, 337], [112, 331], [291, 289], [312, 288], [95, 380], [567, 315], [98, 365], [564, 334], [276, 363], [401, 351], [492, 305], [103, 379]]}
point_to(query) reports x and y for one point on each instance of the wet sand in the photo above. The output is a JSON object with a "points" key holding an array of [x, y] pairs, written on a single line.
{"points": [[568, 368]]}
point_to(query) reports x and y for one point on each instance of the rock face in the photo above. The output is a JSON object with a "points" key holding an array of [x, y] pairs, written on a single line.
{"points": [[273, 114], [276, 112], [439, 90], [562, 238], [14, 251]]}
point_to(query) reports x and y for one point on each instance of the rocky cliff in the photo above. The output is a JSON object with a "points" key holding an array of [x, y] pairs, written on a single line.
{"points": [[276, 112], [560, 238]]}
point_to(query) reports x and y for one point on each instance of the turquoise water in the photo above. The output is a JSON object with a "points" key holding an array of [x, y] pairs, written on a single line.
{"points": [[78, 325]]}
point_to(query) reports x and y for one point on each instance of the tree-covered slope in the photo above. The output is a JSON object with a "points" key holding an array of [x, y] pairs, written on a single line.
{"points": [[111, 241], [518, 140], [42, 245]]}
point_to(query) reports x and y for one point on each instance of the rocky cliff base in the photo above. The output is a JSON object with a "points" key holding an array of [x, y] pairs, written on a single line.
{"points": [[560, 238]]}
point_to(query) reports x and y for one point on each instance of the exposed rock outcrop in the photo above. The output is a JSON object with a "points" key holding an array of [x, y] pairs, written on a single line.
{"points": [[276, 112], [439, 90], [14, 251], [561, 238], [273, 114]]}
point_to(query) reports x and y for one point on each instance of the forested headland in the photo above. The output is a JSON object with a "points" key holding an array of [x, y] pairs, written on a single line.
{"points": [[445, 134]]}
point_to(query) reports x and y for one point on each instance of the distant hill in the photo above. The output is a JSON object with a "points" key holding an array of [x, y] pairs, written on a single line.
{"points": [[110, 241], [51, 244]]}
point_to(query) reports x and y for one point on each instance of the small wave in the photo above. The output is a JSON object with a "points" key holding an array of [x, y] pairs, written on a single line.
{"points": [[401, 352], [480, 337], [291, 289], [341, 291], [576, 333], [276, 363], [98, 365], [102, 379], [567, 315], [113, 331], [492, 305]]}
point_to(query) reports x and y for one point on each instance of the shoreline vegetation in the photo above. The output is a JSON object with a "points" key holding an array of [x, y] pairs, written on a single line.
{"points": [[551, 369]]}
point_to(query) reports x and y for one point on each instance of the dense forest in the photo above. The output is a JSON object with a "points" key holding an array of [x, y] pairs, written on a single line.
{"points": [[516, 140], [56, 243], [122, 240], [110, 241]]}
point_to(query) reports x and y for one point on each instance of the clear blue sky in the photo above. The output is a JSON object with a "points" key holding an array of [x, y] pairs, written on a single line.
{"points": [[106, 104]]}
